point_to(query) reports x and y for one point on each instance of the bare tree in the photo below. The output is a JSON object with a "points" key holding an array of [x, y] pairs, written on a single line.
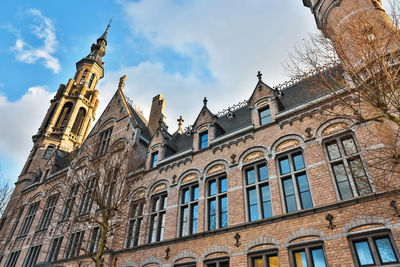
{"points": [[5, 193], [360, 69], [96, 197]]}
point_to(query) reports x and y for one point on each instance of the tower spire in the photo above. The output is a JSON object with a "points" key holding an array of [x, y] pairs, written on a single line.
{"points": [[104, 35]]}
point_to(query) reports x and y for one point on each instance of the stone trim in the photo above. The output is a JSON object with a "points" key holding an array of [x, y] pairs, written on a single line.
{"points": [[303, 232], [159, 182], [185, 254], [215, 249], [51, 190], [151, 260], [251, 150], [326, 124], [284, 138], [365, 220], [261, 240], [214, 163]]}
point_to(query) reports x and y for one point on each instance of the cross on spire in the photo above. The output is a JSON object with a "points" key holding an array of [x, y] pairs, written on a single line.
{"points": [[180, 123], [259, 75], [205, 101]]}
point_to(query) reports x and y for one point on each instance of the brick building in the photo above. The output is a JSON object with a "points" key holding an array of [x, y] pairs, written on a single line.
{"points": [[270, 181]]}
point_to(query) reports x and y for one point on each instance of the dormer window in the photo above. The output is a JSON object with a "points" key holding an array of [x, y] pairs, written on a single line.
{"points": [[154, 159], [265, 115], [203, 140]]}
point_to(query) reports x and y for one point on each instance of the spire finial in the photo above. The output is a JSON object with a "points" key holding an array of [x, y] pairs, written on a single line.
{"points": [[259, 75], [180, 123], [122, 82], [205, 101], [104, 35]]}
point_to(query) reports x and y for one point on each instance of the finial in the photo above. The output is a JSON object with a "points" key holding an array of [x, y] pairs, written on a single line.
{"points": [[259, 75], [205, 101], [122, 82], [180, 123]]}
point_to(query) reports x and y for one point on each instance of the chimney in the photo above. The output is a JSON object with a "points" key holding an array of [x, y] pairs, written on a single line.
{"points": [[156, 113]]}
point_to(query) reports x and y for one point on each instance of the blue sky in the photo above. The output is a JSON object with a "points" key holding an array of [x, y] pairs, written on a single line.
{"points": [[183, 49]]}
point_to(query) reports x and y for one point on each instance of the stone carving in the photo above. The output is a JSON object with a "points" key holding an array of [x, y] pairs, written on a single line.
{"points": [[139, 195], [286, 145], [253, 156], [216, 169], [159, 188], [189, 178], [334, 128], [262, 103]]}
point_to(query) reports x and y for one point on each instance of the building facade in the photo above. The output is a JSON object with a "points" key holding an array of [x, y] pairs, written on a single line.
{"points": [[272, 181]]}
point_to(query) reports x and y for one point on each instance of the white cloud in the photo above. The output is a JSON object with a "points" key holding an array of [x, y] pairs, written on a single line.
{"points": [[239, 38], [45, 31], [20, 120]]}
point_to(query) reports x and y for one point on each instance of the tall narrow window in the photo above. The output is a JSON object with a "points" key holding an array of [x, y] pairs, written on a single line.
{"points": [[83, 77], [16, 222], [376, 249], [154, 159], [109, 186], [217, 203], [48, 152], [80, 118], [55, 249], [74, 245], [70, 202], [32, 256], [91, 80], [104, 141], [157, 217], [189, 202], [258, 192], [296, 189], [311, 255], [135, 223], [64, 115], [348, 170], [48, 212], [26, 225], [203, 140], [265, 115], [87, 196], [12, 259], [29, 162], [46, 124], [94, 240]]}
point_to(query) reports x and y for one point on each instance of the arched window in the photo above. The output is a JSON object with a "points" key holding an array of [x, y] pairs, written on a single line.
{"points": [[76, 129], [91, 80], [83, 77], [64, 115], [217, 203], [157, 217], [188, 203]]}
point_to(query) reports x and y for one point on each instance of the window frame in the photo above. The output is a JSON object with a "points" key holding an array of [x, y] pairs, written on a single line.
{"points": [[135, 222], [217, 261], [47, 213], [49, 151], [217, 197], [29, 218], [54, 249], [293, 174], [86, 197], [307, 247], [262, 109], [265, 254], [345, 159], [94, 238], [32, 256], [74, 244], [157, 213], [201, 134], [189, 205], [370, 237], [14, 256], [154, 159], [16, 222], [257, 185], [105, 137], [70, 202]]}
